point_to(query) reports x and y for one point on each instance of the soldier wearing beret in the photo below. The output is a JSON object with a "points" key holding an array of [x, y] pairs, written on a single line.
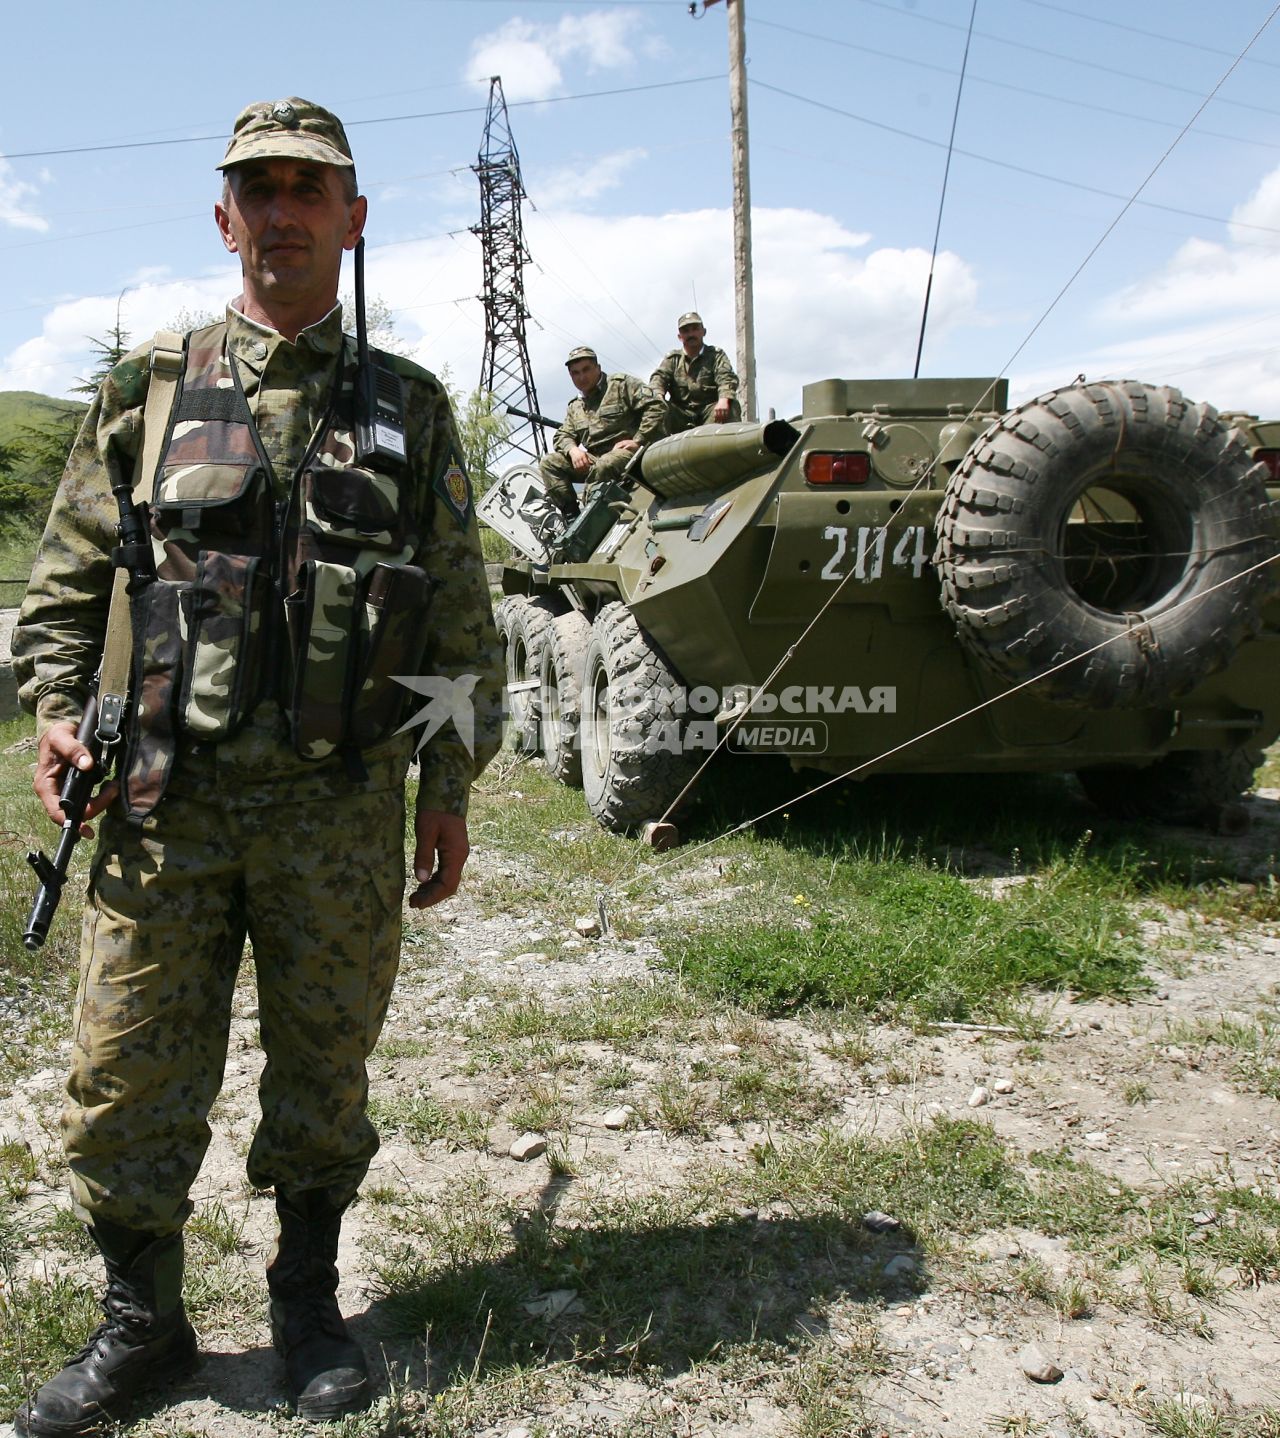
{"points": [[696, 379], [261, 786], [613, 416]]}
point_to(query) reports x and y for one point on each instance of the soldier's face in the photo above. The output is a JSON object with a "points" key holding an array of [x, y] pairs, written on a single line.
{"points": [[691, 338], [585, 374], [289, 221]]}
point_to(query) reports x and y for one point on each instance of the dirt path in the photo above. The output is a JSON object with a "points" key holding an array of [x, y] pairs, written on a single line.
{"points": [[1106, 1084]]}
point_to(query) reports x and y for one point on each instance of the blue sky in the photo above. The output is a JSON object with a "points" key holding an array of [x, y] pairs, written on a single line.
{"points": [[1068, 106]]}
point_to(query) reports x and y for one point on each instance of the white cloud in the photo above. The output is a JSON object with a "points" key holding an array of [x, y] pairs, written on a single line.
{"points": [[827, 303], [575, 184], [1205, 320], [52, 361], [15, 209], [533, 58]]}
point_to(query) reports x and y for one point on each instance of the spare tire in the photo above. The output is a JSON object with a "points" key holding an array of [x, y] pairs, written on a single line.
{"points": [[1115, 514]]}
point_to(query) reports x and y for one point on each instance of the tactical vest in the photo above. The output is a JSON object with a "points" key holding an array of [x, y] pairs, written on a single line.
{"points": [[301, 592]]}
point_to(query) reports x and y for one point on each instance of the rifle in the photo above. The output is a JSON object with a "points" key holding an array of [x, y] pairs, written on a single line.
{"points": [[77, 789], [104, 712], [536, 418]]}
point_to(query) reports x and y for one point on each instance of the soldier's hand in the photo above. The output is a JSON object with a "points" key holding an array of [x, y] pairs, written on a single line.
{"points": [[721, 410], [581, 459], [441, 852], [59, 748], [628, 446]]}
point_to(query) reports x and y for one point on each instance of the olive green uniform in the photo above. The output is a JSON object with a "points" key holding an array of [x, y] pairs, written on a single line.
{"points": [[620, 407], [304, 858], [693, 387]]}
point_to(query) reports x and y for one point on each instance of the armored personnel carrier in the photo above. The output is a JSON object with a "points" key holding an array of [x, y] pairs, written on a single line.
{"points": [[909, 576]]}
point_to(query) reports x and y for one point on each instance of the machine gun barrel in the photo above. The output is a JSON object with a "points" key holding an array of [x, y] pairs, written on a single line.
{"points": [[536, 418]]}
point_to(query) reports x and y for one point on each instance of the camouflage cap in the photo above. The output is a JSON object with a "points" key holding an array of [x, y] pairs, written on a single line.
{"points": [[692, 318], [291, 129], [582, 352]]}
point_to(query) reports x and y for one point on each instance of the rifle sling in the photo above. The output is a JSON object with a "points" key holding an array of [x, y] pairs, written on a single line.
{"points": [[167, 354]]}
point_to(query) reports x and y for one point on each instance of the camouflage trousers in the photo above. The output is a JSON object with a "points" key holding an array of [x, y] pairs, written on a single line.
{"points": [[681, 419], [558, 475], [314, 880]]}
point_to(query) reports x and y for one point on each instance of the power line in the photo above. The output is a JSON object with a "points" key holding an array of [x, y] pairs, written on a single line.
{"points": [[1008, 85], [113, 230], [1008, 164], [631, 320], [1091, 65], [1133, 199], [374, 120], [1197, 45]]}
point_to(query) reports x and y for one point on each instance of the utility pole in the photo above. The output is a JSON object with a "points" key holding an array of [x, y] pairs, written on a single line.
{"points": [[505, 372], [743, 297]]}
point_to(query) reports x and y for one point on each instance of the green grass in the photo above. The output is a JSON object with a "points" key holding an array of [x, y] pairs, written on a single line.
{"points": [[42, 1321], [620, 1013], [666, 1280], [422, 1119], [880, 934], [1250, 1048], [711, 1271], [1169, 1418], [43, 983], [17, 554]]}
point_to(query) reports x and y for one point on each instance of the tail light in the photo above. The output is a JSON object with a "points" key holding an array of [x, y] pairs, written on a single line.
{"points": [[828, 469]]}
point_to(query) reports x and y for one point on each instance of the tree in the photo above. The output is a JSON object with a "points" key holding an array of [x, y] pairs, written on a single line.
{"points": [[109, 350], [32, 463], [481, 433]]}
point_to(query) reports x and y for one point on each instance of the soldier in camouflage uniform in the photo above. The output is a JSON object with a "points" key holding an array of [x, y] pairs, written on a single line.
{"points": [[258, 795], [614, 416], [696, 380]]}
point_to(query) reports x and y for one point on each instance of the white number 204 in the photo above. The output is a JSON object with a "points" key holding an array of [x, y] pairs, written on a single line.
{"points": [[863, 557]]}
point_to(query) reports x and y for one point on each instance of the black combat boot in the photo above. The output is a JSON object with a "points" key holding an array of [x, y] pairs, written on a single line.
{"points": [[144, 1339], [328, 1376]]}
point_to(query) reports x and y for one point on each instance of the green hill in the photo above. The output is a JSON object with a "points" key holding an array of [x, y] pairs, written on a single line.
{"points": [[22, 409]]}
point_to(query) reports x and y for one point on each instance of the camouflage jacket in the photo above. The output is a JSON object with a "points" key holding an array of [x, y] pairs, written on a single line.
{"points": [[620, 407], [690, 385], [288, 387]]}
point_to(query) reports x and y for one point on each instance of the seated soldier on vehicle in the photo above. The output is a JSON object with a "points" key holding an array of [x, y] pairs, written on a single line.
{"points": [[611, 418], [696, 379]]}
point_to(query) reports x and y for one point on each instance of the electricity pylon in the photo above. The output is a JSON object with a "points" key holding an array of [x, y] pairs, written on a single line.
{"points": [[505, 372]]}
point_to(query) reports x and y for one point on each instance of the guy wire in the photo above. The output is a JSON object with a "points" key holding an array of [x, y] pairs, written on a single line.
{"points": [[942, 198]]}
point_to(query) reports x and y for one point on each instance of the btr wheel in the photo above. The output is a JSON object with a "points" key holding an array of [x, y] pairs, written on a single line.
{"points": [[564, 656], [523, 626], [1189, 786], [633, 762]]}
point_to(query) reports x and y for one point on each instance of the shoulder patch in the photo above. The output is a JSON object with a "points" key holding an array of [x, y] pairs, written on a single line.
{"points": [[454, 488]]}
